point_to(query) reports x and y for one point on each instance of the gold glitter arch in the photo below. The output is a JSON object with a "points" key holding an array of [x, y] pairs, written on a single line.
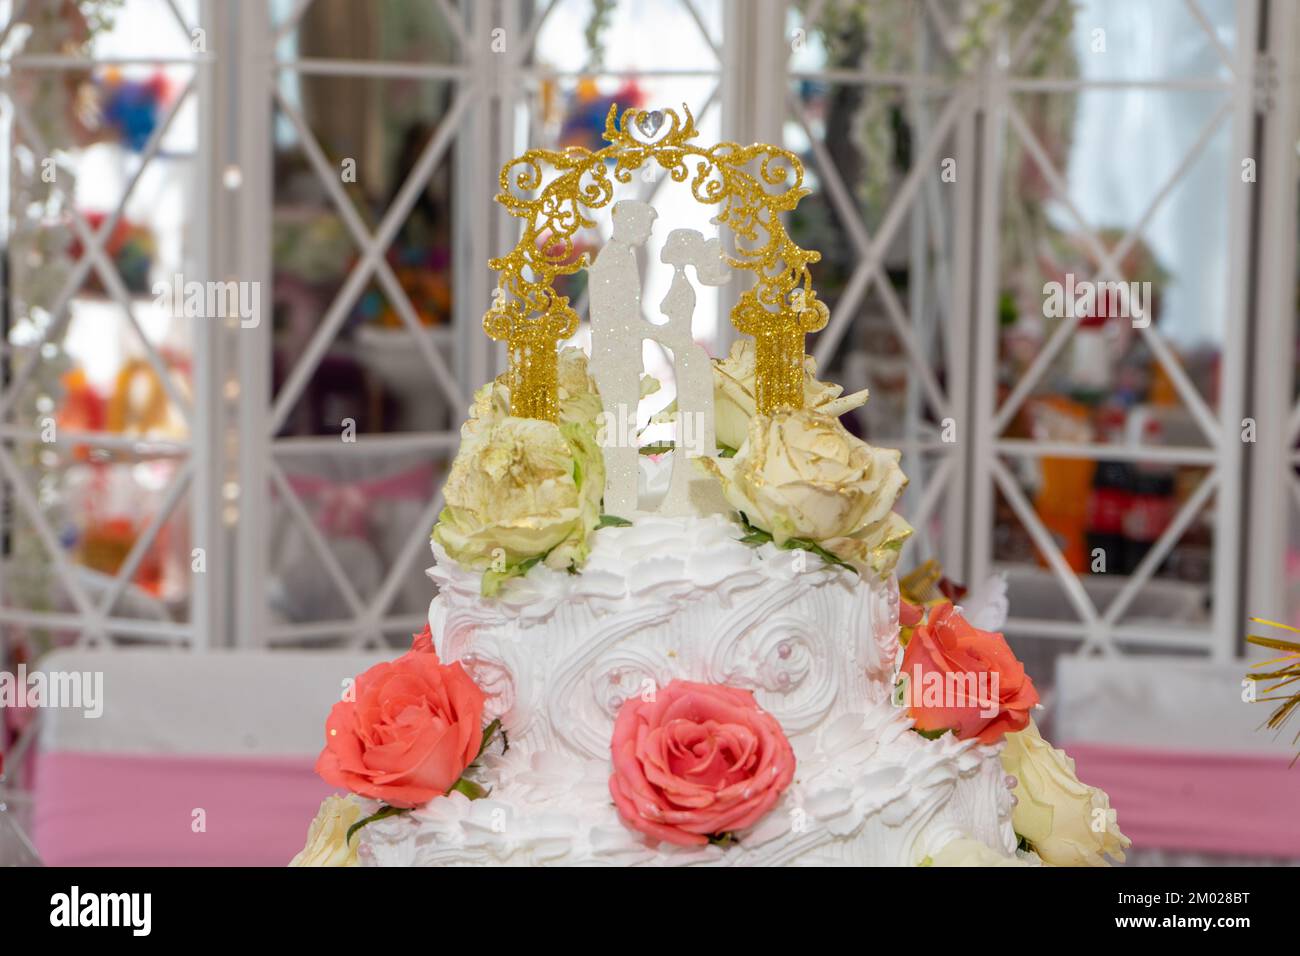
{"points": [[532, 318]]}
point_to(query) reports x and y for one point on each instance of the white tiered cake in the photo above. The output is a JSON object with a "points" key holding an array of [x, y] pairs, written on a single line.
{"points": [[680, 598], [705, 666]]}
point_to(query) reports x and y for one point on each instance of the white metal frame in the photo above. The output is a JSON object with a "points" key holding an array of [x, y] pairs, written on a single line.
{"points": [[935, 467], [1274, 490], [261, 451], [977, 117], [977, 463], [479, 126], [96, 621], [1101, 629]]}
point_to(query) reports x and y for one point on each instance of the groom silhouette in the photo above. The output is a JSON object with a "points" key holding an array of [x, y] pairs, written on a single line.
{"points": [[614, 283]]}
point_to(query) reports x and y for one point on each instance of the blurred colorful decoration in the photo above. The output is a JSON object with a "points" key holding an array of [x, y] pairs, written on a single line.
{"points": [[132, 248], [140, 405], [83, 408], [585, 113], [427, 285], [131, 108], [310, 246], [430, 295], [105, 544]]}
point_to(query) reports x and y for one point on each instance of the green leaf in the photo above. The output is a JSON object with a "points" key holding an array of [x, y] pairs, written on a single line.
{"points": [[830, 558], [613, 521], [723, 840], [657, 448], [475, 791], [726, 451], [930, 734], [753, 533], [380, 814], [492, 580], [489, 732], [756, 535]]}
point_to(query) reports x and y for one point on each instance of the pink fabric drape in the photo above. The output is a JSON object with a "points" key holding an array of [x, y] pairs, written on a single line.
{"points": [[105, 809], [94, 809], [1238, 804], [343, 507]]}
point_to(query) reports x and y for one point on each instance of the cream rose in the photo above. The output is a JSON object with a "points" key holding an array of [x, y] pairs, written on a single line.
{"points": [[327, 837], [733, 393], [966, 852], [800, 476], [521, 491], [1065, 822], [579, 399]]}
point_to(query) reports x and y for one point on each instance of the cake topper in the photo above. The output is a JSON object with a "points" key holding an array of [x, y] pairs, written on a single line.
{"points": [[618, 330], [532, 318]]}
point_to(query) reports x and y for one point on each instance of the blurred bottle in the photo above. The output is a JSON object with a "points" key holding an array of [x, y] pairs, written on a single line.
{"points": [[1062, 500], [1149, 514], [1154, 503], [1109, 501]]}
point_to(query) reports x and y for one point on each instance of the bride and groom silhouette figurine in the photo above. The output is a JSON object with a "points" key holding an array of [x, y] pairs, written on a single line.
{"points": [[618, 330]]}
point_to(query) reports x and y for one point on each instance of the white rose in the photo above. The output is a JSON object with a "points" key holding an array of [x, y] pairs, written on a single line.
{"points": [[523, 489], [967, 852], [799, 475], [734, 403], [327, 837], [579, 399], [1066, 822]]}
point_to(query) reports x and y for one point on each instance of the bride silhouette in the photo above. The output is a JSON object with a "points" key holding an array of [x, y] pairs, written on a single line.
{"points": [[691, 364]]}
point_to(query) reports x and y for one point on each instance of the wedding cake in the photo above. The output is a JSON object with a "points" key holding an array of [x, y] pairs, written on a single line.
{"points": [[697, 655]]}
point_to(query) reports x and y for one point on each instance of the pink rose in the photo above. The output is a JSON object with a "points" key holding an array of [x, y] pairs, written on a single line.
{"points": [[415, 725], [699, 760]]}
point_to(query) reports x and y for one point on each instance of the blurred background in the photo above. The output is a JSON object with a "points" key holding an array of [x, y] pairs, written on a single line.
{"points": [[174, 484]]}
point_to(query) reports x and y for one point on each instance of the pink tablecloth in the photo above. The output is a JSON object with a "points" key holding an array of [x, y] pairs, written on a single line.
{"points": [[96, 809], [1208, 802]]}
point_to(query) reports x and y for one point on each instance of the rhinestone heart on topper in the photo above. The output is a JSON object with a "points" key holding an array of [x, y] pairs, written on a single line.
{"points": [[649, 123]]}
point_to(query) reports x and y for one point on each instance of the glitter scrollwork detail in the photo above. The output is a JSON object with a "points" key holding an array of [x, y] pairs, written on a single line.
{"points": [[532, 318]]}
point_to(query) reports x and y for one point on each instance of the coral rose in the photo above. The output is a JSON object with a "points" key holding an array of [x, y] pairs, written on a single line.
{"points": [[965, 680], [414, 727], [422, 643], [698, 760]]}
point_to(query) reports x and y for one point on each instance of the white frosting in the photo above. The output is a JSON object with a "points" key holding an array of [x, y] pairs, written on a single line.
{"points": [[667, 598], [867, 792]]}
